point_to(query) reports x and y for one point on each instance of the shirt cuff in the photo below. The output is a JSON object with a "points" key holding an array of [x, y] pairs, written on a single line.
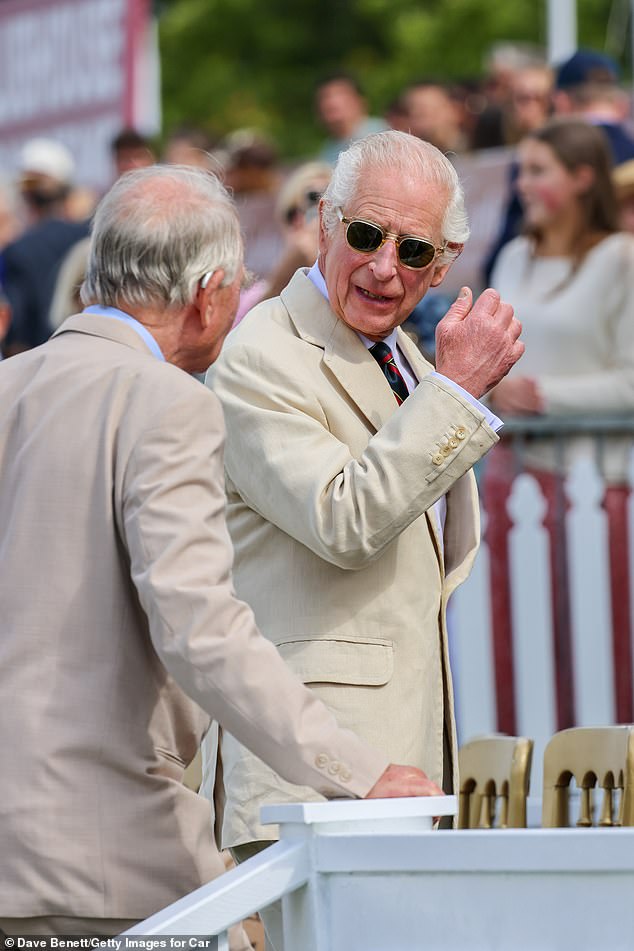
{"points": [[494, 421]]}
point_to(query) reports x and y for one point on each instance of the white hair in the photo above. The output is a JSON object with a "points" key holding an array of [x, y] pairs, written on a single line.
{"points": [[156, 233], [392, 152]]}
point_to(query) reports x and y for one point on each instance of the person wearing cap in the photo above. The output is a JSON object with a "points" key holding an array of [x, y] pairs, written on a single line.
{"points": [[340, 441], [31, 261], [587, 85]]}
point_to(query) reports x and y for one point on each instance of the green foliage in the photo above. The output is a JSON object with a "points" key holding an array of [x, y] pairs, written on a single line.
{"points": [[232, 63]]}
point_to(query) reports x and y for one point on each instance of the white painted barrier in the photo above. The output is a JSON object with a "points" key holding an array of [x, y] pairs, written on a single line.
{"points": [[373, 876]]}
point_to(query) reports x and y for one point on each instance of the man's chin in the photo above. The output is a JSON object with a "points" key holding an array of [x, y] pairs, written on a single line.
{"points": [[376, 329]]}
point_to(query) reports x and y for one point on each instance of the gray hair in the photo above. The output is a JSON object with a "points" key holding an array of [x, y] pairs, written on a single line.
{"points": [[156, 233], [391, 152]]}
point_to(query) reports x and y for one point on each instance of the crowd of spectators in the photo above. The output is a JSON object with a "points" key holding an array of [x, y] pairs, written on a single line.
{"points": [[45, 214]]}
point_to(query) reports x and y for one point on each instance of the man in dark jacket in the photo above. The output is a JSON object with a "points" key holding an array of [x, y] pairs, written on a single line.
{"points": [[32, 261]]}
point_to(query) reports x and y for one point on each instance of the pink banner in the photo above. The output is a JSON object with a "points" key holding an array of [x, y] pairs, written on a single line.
{"points": [[70, 69]]}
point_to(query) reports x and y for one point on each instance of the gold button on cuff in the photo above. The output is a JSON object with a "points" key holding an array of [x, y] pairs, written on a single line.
{"points": [[321, 760], [438, 459], [446, 450], [461, 433], [453, 443]]}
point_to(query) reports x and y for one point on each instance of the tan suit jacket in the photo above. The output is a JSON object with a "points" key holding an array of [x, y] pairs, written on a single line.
{"points": [[329, 489], [116, 597]]}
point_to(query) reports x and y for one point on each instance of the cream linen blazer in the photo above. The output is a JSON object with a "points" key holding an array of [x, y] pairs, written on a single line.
{"points": [[329, 488], [116, 603]]}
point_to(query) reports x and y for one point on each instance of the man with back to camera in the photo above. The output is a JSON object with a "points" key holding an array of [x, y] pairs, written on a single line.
{"points": [[120, 634], [341, 443]]}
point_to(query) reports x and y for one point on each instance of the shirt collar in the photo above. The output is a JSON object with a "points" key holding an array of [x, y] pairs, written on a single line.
{"points": [[117, 314], [317, 278]]}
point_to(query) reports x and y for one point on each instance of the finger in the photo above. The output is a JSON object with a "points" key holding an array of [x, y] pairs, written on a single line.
{"points": [[488, 302], [515, 329], [431, 789], [461, 306]]}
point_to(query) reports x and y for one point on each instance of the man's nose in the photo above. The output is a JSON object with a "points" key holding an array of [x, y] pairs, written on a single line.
{"points": [[384, 261]]}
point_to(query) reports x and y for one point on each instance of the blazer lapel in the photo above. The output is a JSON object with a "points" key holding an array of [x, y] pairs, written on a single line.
{"points": [[345, 355], [419, 365], [351, 364], [359, 374]]}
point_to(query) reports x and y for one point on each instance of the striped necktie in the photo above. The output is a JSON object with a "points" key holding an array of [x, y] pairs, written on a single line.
{"points": [[385, 358]]}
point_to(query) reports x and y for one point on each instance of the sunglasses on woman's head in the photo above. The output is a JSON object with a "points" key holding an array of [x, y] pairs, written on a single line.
{"points": [[311, 199], [367, 237]]}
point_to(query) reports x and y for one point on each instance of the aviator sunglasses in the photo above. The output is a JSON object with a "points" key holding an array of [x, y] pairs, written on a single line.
{"points": [[367, 237]]}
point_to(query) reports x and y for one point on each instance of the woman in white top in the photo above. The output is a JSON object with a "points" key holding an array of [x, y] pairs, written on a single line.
{"points": [[570, 278]]}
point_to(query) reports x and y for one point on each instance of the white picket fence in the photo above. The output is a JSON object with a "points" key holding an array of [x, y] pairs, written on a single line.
{"points": [[533, 672]]}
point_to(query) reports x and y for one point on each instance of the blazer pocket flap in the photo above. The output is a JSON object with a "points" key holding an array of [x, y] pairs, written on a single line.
{"points": [[363, 663]]}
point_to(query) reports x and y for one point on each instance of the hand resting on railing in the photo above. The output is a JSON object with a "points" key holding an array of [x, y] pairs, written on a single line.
{"points": [[399, 781]]}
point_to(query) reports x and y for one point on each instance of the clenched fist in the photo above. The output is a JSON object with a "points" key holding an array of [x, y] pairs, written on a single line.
{"points": [[477, 344]]}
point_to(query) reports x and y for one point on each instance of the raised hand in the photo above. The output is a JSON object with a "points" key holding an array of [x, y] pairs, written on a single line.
{"points": [[477, 343]]}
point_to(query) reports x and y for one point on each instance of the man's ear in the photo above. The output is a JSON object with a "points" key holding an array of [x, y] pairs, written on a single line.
{"points": [[454, 250], [440, 273], [205, 298]]}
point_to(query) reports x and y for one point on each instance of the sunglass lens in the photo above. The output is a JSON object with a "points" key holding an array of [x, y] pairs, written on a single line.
{"points": [[363, 236], [416, 253]]}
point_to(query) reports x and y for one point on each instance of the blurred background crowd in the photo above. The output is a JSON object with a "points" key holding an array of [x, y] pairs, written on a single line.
{"points": [[277, 176]]}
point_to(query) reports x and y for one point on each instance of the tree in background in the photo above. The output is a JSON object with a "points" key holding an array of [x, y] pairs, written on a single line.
{"points": [[233, 63]]}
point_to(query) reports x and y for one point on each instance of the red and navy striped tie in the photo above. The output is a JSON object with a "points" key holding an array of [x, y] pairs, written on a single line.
{"points": [[385, 358]]}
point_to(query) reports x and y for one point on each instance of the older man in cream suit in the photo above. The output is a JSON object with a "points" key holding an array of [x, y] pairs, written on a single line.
{"points": [[335, 473], [120, 634]]}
